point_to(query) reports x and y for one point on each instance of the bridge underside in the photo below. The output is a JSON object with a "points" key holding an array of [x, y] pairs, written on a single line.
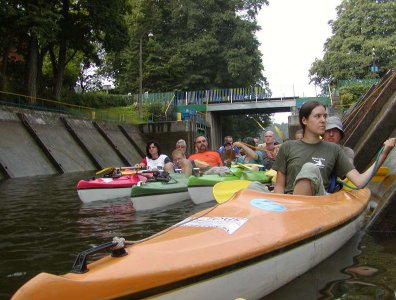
{"points": [[216, 111], [255, 107]]}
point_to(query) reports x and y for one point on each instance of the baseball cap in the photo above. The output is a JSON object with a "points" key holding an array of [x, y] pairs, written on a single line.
{"points": [[334, 122]]}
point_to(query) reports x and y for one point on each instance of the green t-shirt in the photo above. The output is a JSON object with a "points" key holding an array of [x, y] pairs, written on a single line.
{"points": [[329, 157]]}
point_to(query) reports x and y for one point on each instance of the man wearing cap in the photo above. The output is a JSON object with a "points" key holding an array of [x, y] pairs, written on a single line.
{"points": [[334, 134]]}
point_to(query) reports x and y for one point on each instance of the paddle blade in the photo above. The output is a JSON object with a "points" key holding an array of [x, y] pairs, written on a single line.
{"points": [[223, 191], [280, 133], [106, 170]]}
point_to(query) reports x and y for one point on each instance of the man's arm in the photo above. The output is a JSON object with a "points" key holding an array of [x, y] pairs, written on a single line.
{"points": [[249, 151]]}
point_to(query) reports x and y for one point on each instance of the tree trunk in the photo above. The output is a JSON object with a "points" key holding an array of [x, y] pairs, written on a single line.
{"points": [[32, 69], [60, 68], [40, 63], [3, 71]]}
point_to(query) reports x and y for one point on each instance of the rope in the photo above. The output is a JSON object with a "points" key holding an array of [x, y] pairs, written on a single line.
{"points": [[120, 243], [371, 176]]}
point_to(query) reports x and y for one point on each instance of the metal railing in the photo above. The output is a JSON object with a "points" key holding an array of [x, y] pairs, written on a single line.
{"points": [[37, 103]]}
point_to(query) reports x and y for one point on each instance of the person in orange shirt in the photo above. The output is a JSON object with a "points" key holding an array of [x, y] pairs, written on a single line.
{"points": [[203, 158], [212, 158]]}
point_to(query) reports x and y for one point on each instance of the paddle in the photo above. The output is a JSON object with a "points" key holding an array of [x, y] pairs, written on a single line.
{"points": [[111, 169], [280, 133], [250, 167], [223, 191]]}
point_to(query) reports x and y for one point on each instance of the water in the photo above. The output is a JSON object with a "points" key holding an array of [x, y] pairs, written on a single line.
{"points": [[44, 226]]}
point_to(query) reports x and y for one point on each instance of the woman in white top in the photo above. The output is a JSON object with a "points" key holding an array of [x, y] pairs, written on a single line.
{"points": [[154, 160]]}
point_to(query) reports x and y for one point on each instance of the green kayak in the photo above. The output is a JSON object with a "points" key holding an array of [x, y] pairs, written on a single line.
{"points": [[255, 176], [155, 194], [200, 188]]}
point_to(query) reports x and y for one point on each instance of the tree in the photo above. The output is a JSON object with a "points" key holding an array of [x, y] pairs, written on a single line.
{"points": [[361, 25], [84, 26], [59, 29], [196, 45], [242, 126]]}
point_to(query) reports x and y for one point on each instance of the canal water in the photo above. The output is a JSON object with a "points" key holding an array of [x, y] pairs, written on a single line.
{"points": [[44, 225]]}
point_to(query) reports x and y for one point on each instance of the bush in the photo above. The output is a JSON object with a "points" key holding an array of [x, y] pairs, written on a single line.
{"points": [[351, 94], [154, 111], [98, 99]]}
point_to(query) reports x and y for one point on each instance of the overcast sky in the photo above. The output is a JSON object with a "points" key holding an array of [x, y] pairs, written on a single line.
{"points": [[293, 34]]}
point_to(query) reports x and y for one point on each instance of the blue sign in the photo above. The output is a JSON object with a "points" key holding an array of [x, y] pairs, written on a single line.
{"points": [[267, 205]]}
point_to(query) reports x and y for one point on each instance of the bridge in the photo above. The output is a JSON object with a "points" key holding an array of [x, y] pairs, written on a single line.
{"points": [[221, 102]]}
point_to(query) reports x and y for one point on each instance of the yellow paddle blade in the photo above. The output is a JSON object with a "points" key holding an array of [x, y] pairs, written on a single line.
{"points": [[272, 173], [280, 133], [250, 167], [106, 170], [382, 171], [128, 172], [223, 191], [125, 170]]}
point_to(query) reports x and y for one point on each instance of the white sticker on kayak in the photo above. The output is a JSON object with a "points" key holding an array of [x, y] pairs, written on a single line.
{"points": [[107, 180], [229, 224]]}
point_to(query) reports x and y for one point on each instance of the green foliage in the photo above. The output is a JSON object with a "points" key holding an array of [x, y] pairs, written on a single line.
{"points": [[361, 25], [351, 94], [242, 126], [98, 99], [195, 45], [60, 30], [154, 111], [126, 114]]}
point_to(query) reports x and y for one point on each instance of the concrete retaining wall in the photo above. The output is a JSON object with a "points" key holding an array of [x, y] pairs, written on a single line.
{"points": [[41, 143], [372, 121]]}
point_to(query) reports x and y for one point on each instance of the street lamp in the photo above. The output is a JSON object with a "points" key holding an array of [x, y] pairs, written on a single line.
{"points": [[140, 100], [374, 69]]}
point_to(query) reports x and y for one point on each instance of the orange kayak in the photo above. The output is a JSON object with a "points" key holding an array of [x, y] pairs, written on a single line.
{"points": [[246, 247]]}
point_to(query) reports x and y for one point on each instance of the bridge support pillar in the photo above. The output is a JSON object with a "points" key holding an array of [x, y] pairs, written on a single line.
{"points": [[215, 139]]}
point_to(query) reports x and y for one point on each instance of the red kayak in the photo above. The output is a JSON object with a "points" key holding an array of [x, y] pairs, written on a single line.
{"points": [[105, 188]]}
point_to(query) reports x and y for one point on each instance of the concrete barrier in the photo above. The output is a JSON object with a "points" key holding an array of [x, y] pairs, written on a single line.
{"points": [[43, 143], [372, 121]]}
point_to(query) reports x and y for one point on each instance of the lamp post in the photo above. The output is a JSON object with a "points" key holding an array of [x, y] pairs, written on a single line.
{"points": [[140, 99], [374, 68]]}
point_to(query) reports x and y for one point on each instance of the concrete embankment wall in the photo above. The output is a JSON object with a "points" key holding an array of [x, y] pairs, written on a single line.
{"points": [[367, 126], [372, 121], [42, 143]]}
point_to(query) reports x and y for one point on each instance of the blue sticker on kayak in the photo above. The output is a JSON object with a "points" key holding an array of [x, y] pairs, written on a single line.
{"points": [[267, 205]]}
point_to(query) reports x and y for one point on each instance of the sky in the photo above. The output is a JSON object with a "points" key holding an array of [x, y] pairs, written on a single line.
{"points": [[292, 35]]}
